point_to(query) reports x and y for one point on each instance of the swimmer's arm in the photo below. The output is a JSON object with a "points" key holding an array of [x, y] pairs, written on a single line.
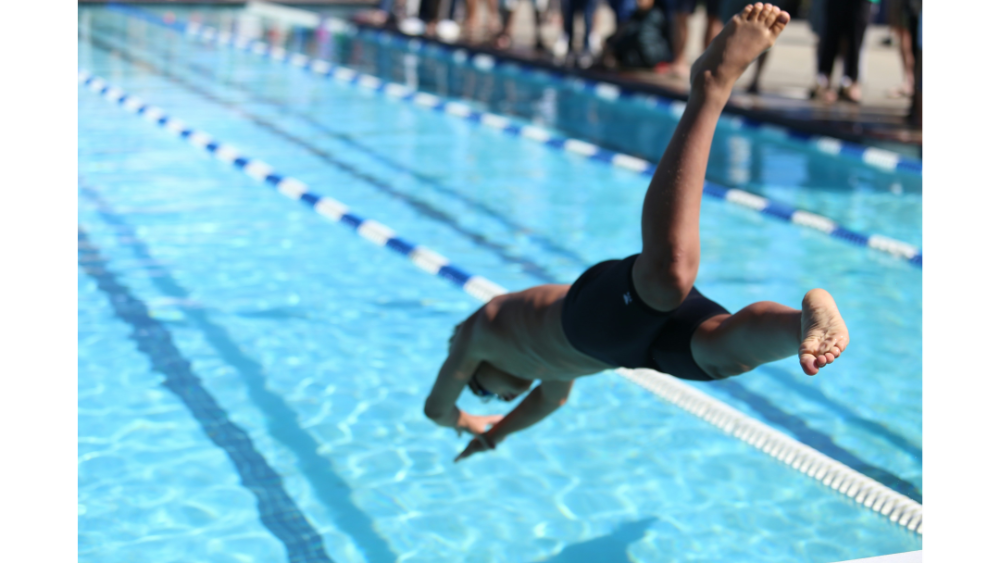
{"points": [[543, 400], [453, 376]]}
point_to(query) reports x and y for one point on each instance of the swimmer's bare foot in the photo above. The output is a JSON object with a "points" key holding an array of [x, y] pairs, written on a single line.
{"points": [[745, 37], [824, 334]]}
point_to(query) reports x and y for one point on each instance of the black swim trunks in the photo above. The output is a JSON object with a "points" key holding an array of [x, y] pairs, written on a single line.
{"points": [[604, 318]]}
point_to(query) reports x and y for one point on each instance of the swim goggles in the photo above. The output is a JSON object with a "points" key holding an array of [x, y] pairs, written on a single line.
{"points": [[480, 391]]}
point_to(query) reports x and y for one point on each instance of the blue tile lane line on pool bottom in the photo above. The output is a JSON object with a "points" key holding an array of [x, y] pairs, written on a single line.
{"points": [[587, 150], [878, 158], [758, 403], [474, 285], [278, 512], [283, 423]]}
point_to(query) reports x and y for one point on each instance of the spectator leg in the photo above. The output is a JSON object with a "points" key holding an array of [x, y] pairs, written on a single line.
{"points": [[680, 37], [829, 42], [568, 10], [539, 11], [713, 21], [754, 86], [860, 13], [589, 7]]}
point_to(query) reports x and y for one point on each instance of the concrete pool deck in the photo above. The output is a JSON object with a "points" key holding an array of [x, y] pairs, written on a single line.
{"points": [[909, 557], [879, 120], [786, 80]]}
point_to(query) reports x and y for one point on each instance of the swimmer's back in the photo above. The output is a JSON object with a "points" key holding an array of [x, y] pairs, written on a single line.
{"points": [[526, 336]]}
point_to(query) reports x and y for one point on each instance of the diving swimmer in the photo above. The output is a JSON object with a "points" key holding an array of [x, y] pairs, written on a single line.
{"points": [[643, 310]]}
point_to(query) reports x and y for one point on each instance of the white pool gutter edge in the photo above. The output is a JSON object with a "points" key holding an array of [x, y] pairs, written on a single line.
{"points": [[908, 557]]}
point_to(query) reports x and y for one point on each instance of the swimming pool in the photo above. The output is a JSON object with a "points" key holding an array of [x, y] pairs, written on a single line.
{"points": [[313, 351]]}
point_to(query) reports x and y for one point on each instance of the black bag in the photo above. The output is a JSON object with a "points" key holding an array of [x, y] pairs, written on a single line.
{"points": [[641, 42]]}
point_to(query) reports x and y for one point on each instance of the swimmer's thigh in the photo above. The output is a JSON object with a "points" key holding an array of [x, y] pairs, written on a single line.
{"points": [[683, 344]]}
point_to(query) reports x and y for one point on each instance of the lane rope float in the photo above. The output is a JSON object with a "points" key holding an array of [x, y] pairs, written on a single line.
{"points": [[777, 210]]}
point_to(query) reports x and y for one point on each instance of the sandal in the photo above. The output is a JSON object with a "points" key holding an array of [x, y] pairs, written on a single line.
{"points": [[502, 41], [822, 94], [850, 94], [901, 91]]}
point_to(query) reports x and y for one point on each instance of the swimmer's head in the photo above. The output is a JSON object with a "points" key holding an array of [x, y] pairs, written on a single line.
{"points": [[488, 383]]}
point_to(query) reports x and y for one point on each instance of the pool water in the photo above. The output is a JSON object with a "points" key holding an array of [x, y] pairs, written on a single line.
{"points": [[252, 376]]}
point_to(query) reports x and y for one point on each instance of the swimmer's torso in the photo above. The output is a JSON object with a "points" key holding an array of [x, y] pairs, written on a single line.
{"points": [[525, 336]]}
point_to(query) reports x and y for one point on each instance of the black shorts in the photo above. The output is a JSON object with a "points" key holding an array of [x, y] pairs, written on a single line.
{"points": [[687, 6], [604, 318]]}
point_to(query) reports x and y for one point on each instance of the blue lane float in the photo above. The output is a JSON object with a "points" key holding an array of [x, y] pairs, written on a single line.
{"points": [[873, 156], [328, 207], [878, 158], [587, 150]]}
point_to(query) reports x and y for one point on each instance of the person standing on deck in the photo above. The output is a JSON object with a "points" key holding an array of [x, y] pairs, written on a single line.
{"points": [[844, 20], [679, 12]]}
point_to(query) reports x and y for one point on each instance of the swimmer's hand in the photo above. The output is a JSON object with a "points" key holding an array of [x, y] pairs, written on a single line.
{"points": [[480, 443], [475, 424]]}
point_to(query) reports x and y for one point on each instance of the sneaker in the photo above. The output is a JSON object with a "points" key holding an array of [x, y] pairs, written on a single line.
{"points": [[412, 26], [560, 48], [448, 31], [594, 43]]}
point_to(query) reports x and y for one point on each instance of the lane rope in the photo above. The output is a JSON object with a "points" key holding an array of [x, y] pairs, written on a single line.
{"points": [[865, 490], [326, 69], [881, 159]]}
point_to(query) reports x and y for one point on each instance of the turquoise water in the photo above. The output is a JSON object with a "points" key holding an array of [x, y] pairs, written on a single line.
{"points": [[322, 347]]}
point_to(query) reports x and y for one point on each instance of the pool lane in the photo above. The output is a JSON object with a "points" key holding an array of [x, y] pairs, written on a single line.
{"points": [[278, 511], [777, 154], [735, 392], [610, 94]]}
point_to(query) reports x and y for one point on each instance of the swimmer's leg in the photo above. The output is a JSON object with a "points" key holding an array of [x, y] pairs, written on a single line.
{"points": [[668, 265], [763, 332]]}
